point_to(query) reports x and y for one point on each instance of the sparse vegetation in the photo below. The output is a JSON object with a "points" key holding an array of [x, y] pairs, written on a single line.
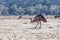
{"points": [[15, 30]]}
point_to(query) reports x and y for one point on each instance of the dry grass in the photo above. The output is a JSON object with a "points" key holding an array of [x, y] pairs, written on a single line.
{"points": [[12, 28]]}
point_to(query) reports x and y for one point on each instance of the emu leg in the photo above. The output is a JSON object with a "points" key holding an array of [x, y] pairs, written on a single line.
{"points": [[36, 25], [40, 25]]}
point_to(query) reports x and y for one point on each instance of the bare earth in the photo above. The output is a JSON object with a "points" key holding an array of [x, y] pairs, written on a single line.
{"points": [[12, 28]]}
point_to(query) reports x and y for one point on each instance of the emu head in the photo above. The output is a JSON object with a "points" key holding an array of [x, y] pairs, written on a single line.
{"points": [[33, 20]]}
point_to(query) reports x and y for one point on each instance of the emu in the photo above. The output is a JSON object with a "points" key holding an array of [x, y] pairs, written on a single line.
{"points": [[56, 16], [38, 19]]}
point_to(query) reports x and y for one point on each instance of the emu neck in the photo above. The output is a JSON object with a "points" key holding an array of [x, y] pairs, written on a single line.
{"points": [[31, 20]]}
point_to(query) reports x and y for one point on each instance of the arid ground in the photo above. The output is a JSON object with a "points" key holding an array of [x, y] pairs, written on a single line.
{"points": [[12, 28]]}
